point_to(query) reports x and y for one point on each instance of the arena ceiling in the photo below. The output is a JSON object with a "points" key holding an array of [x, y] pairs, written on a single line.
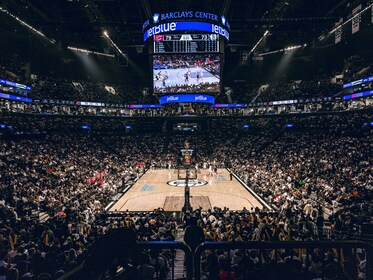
{"points": [[80, 23]]}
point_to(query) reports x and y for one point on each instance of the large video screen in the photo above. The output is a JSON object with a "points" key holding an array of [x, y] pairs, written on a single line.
{"points": [[186, 73]]}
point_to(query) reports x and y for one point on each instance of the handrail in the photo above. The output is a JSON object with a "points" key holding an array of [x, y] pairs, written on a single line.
{"points": [[348, 244], [77, 272], [160, 245]]}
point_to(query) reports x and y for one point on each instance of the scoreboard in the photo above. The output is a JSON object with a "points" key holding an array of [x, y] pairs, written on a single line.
{"points": [[186, 43]]}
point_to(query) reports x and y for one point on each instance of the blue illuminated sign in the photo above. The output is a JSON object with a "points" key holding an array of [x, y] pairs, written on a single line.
{"points": [[358, 82], [187, 98], [145, 106], [228, 106], [16, 98], [183, 26], [13, 84], [185, 15], [357, 95], [85, 127]]}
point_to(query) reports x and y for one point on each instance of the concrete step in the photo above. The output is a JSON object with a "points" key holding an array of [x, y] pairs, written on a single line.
{"points": [[43, 217]]}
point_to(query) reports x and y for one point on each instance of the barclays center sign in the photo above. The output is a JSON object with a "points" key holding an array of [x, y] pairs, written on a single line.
{"points": [[186, 16]]}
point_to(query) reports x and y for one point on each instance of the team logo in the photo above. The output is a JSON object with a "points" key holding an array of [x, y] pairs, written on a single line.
{"points": [[158, 38], [223, 20], [191, 183], [155, 18]]}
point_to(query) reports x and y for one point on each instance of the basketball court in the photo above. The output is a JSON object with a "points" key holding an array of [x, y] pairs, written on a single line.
{"points": [[161, 188], [176, 77]]}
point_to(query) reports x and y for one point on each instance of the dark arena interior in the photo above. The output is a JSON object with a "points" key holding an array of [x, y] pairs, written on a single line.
{"points": [[211, 139]]}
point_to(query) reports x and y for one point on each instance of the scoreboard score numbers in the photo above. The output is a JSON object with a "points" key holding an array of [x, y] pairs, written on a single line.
{"points": [[186, 43]]}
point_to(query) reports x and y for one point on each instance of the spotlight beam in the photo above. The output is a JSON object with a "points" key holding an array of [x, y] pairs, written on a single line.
{"points": [[260, 40], [89, 51], [38, 32], [350, 19], [113, 44], [290, 48]]}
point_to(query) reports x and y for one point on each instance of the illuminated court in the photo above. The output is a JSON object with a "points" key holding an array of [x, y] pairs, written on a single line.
{"points": [[177, 77], [160, 188]]}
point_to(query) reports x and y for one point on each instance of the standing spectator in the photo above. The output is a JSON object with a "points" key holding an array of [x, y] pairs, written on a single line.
{"points": [[193, 234]]}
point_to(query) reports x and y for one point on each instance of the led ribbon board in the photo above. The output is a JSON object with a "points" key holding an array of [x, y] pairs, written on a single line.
{"points": [[358, 82], [228, 106], [13, 84], [357, 95], [187, 98], [168, 27], [145, 106], [15, 98]]}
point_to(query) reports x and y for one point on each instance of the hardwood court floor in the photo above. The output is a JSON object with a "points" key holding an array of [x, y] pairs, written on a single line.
{"points": [[152, 191]]}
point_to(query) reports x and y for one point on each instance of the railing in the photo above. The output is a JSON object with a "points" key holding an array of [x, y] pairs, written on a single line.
{"points": [[267, 252], [295, 248], [81, 272], [172, 245]]}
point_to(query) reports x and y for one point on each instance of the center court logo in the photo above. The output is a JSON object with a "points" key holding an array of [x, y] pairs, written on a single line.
{"points": [[191, 183]]}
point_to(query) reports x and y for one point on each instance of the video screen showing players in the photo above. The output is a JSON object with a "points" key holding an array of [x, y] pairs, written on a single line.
{"points": [[186, 73]]}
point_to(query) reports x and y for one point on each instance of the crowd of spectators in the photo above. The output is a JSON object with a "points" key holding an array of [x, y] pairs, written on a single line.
{"points": [[285, 90], [71, 179], [185, 60], [72, 90], [189, 88], [12, 68], [57, 88], [358, 66], [315, 171]]}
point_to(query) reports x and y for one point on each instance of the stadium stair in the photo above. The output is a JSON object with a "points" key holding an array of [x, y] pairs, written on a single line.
{"points": [[179, 268], [166, 142], [43, 217], [208, 145], [39, 215]]}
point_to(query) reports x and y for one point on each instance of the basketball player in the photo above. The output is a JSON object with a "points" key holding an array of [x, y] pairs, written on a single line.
{"points": [[186, 76], [216, 170], [210, 170], [158, 76]]}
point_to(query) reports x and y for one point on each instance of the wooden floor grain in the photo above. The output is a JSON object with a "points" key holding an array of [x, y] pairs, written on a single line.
{"points": [[152, 191]]}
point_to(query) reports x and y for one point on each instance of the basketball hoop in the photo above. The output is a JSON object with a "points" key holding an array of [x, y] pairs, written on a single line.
{"points": [[186, 152]]}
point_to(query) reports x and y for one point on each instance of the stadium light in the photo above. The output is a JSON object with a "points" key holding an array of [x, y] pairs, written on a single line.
{"points": [[90, 52], [290, 48], [293, 48], [350, 19], [113, 44], [52, 41], [260, 40]]}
